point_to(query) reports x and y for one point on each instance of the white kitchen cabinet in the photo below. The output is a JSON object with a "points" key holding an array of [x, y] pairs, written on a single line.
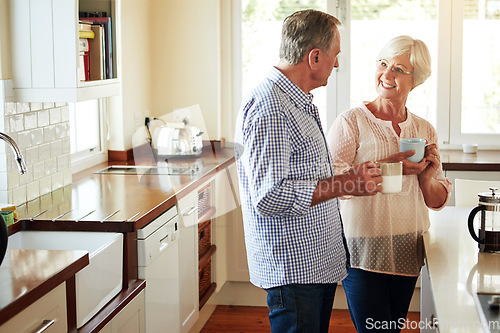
{"points": [[49, 311], [473, 175], [188, 209], [45, 50], [188, 261], [229, 229], [427, 306], [130, 319], [237, 254]]}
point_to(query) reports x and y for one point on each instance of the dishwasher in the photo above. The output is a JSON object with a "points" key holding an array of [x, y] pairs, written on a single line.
{"points": [[158, 261]]}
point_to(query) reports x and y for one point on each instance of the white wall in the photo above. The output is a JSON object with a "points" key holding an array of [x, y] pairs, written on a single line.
{"points": [[186, 58], [129, 110], [5, 72], [170, 59], [41, 131]]}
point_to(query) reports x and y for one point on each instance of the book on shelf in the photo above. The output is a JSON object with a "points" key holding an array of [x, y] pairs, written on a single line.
{"points": [[84, 60], [97, 54], [84, 26], [86, 34], [108, 42]]}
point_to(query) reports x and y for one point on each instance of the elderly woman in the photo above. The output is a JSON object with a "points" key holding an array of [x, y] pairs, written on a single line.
{"points": [[384, 232]]}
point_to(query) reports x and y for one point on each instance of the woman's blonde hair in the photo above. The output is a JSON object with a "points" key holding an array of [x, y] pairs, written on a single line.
{"points": [[420, 58]]}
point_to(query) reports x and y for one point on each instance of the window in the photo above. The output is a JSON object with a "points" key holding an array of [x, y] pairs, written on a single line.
{"points": [[261, 35], [86, 134], [480, 67], [462, 96], [374, 23]]}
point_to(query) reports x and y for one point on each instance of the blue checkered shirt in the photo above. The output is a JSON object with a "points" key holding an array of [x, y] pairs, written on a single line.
{"points": [[281, 154]]}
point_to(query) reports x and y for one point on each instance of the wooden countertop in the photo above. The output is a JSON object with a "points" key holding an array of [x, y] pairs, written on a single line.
{"points": [[457, 270], [483, 160], [97, 202], [27, 275], [119, 203]]}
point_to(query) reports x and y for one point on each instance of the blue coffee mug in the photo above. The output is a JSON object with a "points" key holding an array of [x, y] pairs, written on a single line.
{"points": [[413, 144]]}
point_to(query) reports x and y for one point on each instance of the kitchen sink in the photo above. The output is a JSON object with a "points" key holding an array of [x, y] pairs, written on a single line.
{"points": [[97, 283]]}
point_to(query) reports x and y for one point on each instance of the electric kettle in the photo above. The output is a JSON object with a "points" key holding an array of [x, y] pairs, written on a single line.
{"points": [[177, 141], [488, 235]]}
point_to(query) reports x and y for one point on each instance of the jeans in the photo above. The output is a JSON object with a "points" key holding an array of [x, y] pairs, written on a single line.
{"points": [[300, 307], [378, 302]]}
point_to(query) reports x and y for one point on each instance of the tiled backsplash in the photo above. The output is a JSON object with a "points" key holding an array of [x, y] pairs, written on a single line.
{"points": [[41, 131]]}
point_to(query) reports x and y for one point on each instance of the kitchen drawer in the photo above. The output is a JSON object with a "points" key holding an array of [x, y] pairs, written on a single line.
{"points": [[51, 307], [188, 209]]}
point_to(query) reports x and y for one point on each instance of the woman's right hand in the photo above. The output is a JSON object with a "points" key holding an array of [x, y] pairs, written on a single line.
{"points": [[409, 167]]}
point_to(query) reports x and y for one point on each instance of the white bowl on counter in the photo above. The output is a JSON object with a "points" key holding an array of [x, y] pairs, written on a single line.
{"points": [[469, 148]]}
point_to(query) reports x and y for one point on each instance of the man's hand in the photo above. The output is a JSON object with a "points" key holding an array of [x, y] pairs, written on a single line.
{"points": [[362, 180]]}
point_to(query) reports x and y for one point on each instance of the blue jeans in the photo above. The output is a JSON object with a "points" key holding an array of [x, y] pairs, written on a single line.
{"points": [[378, 302], [300, 307]]}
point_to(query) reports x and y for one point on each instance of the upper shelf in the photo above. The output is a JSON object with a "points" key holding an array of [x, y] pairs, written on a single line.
{"points": [[44, 36]]}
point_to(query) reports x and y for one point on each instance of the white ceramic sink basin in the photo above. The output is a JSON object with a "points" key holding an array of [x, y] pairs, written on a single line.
{"points": [[97, 283]]}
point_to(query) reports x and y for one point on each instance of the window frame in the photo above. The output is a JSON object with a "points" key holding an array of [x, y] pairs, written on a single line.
{"points": [[235, 52], [449, 73], [84, 160], [456, 138], [449, 77]]}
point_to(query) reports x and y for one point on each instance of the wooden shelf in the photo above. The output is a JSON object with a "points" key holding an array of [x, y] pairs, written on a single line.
{"points": [[206, 257], [204, 298]]}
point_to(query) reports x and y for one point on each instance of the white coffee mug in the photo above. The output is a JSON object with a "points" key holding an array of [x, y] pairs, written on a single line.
{"points": [[392, 176]]}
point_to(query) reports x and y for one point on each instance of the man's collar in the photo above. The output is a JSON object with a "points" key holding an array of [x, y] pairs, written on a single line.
{"points": [[301, 99]]}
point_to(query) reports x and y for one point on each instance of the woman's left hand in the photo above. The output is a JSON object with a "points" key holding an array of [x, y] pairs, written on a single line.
{"points": [[409, 167], [433, 191], [432, 160], [425, 168]]}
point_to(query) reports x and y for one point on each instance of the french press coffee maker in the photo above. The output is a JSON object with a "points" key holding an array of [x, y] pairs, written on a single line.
{"points": [[488, 236]]}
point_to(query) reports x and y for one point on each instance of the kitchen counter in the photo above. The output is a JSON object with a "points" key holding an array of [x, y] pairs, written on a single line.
{"points": [[483, 160], [27, 275], [118, 202], [457, 270]]}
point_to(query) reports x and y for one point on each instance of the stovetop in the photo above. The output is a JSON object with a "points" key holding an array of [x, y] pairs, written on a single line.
{"points": [[488, 306]]}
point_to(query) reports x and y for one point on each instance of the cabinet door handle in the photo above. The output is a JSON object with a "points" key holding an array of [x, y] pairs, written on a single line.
{"points": [[191, 211], [45, 324]]}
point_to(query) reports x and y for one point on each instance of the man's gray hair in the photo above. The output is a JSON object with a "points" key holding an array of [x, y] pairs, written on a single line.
{"points": [[305, 30]]}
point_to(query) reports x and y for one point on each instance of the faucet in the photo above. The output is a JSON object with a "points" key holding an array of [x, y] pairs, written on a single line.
{"points": [[19, 157], [4, 234]]}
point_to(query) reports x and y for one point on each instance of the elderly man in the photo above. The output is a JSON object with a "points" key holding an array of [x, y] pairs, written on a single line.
{"points": [[293, 232]]}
